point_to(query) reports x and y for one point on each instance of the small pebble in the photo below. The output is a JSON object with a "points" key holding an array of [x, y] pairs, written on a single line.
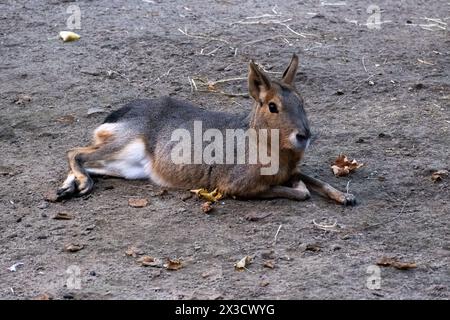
{"points": [[43, 205]]}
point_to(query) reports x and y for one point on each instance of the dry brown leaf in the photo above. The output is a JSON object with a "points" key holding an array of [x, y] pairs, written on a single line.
{"points": [[66, 119], [207, 207], [173, 264], [133, 252], [212, 196], [393, 262], [43, 296], [243, 263], [264, 283], [269, 264], [73, 247], [137, 203], [439, 175], [343, 166], [147, 261], [312, 247], [63, 216]]}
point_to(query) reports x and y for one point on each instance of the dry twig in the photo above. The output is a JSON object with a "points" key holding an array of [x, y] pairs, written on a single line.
{"points": [[202, 36], [326, 227], [276, 234]]}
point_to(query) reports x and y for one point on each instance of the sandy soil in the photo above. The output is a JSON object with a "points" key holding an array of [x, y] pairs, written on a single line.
{"points": [[379, 95]]}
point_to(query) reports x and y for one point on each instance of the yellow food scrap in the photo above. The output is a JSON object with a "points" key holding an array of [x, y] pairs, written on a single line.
{"points": [[68, 36], [173, 264], [212, 196]]}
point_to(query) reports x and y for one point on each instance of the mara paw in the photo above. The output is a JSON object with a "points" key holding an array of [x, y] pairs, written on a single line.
{"points": [[84, 185], [67, 189], [349, 199]]}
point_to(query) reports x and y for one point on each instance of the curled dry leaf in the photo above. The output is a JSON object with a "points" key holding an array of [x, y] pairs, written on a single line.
{"points": [[269, 264], [211, 86], [68, 36], [43, 296], [439, 175], [147, 261], [68, 119], [207, 207], [393, 262], [212, 196], [73, 247], [264, 283], [137, 203], [133, 252], [63, 216], [314, 247], [243, 263], [343, 166], [173, 264]]}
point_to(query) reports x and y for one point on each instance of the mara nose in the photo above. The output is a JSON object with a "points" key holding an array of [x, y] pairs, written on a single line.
{"points": [[301, 137], [302, 140]]}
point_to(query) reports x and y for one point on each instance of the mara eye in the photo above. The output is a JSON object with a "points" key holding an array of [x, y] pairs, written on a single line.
{"points": [[273, 107]]}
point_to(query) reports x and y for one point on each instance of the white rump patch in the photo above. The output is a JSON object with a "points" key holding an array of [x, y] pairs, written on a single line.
{"points": [[109, 127]]}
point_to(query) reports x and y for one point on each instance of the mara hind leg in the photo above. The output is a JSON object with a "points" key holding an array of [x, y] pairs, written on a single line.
{"points": [[79, 182]]}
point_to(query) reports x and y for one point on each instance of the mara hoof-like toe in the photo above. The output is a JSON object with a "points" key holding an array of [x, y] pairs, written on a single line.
{"points": [[85, 187], [349, 200], [65, 192]]}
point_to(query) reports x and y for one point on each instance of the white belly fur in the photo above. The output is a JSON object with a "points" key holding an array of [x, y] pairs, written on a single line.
{"points": [[132, 162]]}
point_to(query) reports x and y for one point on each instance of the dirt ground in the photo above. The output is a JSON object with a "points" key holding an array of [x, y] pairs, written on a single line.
{"points": [[379, 95]]}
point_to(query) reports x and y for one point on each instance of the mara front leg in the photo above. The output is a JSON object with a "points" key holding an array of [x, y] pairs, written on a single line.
{"points": [[105, 147], [298, 192], [327, 190]]}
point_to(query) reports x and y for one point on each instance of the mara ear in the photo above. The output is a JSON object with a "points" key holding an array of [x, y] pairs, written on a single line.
{"points": [[258, 81], [291, 71]]}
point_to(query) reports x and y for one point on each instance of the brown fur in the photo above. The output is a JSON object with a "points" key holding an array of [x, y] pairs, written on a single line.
{"points": [[144, 129]]}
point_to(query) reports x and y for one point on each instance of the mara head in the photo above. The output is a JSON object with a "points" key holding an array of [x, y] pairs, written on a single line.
{"points": [[278, 105]]}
